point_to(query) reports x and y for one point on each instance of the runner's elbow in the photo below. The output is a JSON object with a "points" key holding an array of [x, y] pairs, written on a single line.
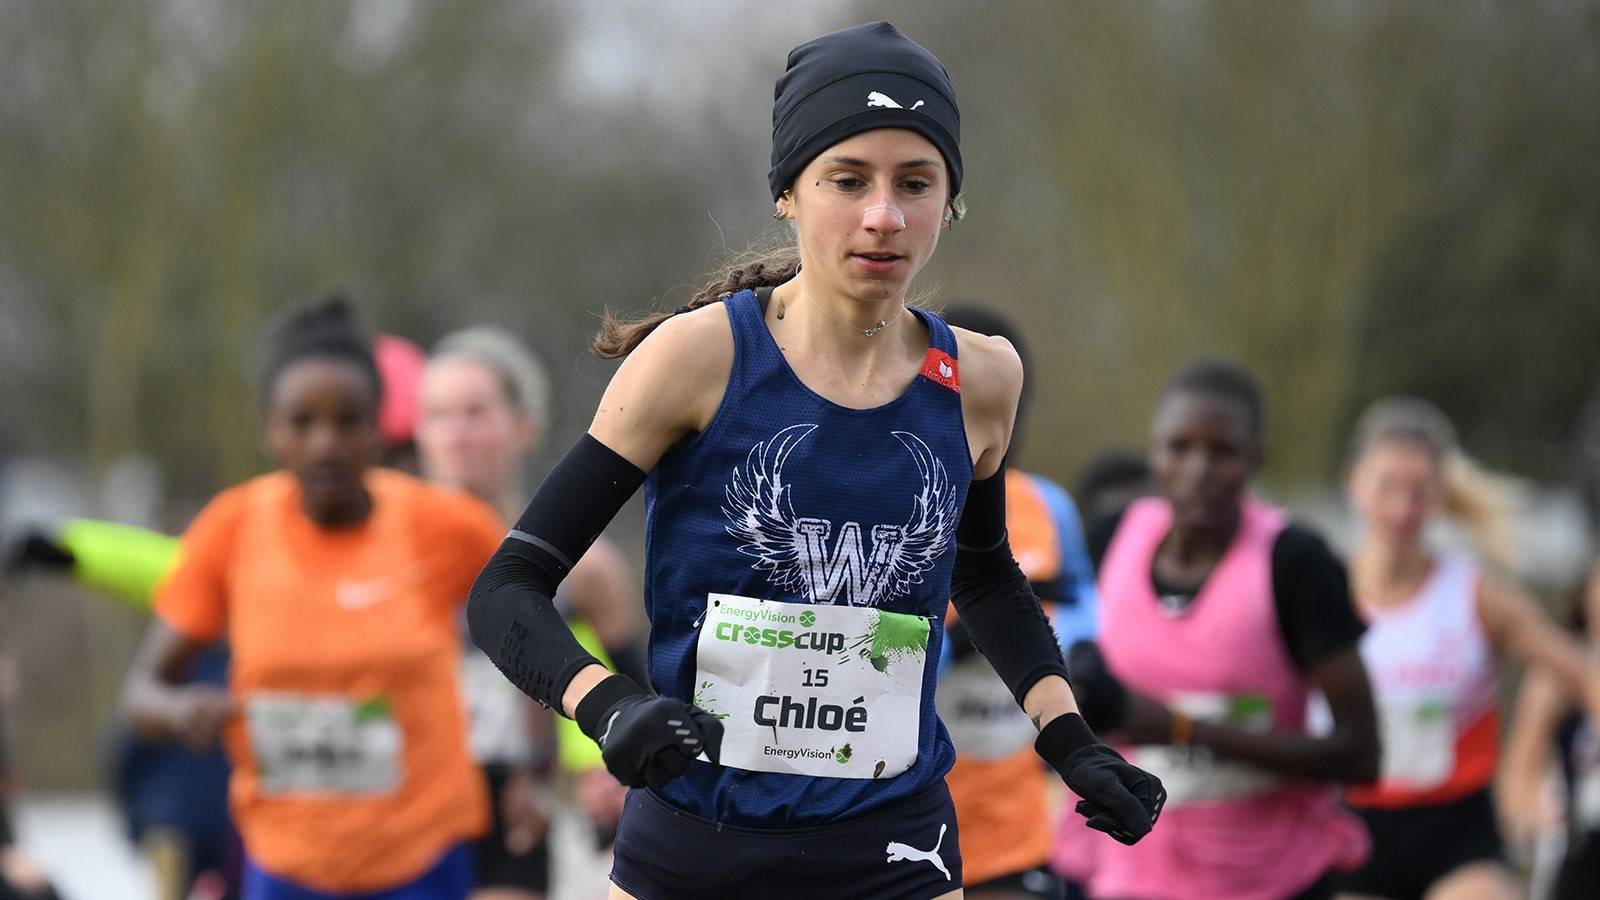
{"points": [[493, 597], [1361, 759], [483, 606]]}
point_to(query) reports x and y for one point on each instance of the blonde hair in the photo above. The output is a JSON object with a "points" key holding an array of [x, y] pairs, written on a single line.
{"points": [[1478, 499], [521, 375]]}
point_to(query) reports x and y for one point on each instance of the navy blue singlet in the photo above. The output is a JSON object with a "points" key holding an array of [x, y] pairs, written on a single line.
{"points": [[786, 496]]}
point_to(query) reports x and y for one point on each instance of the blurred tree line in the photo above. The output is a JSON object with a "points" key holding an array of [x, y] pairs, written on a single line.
{"points": [[1352, 197]]}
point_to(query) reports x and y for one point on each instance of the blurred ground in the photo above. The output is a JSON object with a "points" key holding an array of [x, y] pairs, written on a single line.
{"points": [[62, 831]]}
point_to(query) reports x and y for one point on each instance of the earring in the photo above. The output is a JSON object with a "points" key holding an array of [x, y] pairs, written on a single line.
{"points": [[778, 216]]}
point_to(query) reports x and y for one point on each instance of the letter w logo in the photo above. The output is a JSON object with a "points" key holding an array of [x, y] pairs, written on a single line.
{"points": [[796, 552], [846, 568]]}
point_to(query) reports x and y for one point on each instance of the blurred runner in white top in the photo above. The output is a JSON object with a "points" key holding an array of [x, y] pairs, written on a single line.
{"points": [[485, 404]]}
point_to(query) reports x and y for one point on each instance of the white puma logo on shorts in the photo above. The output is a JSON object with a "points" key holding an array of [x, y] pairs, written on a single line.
{"points": [[898, 851], [876, 98]]}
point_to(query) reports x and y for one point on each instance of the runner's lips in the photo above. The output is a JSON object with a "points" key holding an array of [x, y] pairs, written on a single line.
{"points": [[877, 262]]}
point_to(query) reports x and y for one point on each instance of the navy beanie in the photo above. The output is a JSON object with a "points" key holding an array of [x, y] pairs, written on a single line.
{"points": [[855, 80]]}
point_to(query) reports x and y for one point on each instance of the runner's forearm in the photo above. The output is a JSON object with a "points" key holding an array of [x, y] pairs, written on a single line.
{"points": [[1337, 757], [1049, 698], [510, 613], [151, 708], [580, 686], [1348, 754], [152, 696], [120, 561], [1536, 717], [995, 599]]}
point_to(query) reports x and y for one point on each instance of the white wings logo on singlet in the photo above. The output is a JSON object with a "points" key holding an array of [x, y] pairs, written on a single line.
{"points": [[800, 553]]}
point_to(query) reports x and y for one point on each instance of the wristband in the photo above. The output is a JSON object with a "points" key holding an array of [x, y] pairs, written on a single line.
{"points": [[1063, 736], [591, 711], [1182, 729]]}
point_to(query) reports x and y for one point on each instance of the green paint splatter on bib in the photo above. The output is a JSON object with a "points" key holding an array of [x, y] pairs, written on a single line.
{"points": [[372, 709], [894, 635]]}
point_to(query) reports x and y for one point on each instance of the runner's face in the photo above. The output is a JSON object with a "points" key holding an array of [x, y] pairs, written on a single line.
{"points": [[868, 212], [1202, 454], [470, 436], [1395, 487], [322, 426]]}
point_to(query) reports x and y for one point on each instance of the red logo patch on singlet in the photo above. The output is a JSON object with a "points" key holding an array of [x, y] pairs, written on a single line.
{"points": [[940, 367]]}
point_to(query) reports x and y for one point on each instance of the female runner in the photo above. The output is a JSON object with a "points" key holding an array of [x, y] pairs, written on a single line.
{"points": [[823, 471], [1219, 617], [1437, 625], [484, 408]]}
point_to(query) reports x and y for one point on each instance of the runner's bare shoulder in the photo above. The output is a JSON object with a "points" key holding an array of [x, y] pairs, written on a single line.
{"points": [[991, 382], [669, 387]]}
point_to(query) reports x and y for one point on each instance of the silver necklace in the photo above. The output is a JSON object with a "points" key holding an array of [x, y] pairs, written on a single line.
{"points": [[865, 332], [869, 332]]}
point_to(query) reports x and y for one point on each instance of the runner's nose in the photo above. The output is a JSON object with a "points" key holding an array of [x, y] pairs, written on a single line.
{"points": [[884, 217]]}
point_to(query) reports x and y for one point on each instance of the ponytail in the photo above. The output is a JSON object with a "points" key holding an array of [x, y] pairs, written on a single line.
{"points": [[1482, 502], [764, 265]]}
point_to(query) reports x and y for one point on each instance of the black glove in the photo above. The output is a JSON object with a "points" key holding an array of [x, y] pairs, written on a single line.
{"points": [[36, 549], [645, 739], [1101, 697], [1118, 798]]}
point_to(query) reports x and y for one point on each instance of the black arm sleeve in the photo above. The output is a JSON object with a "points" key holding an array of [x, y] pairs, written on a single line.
{"points": [[1312, 593], [509, 612], [993, 596]]}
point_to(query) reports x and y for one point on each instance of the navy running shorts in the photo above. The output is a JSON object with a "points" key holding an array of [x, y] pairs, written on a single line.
{"points": [[909, 850]]}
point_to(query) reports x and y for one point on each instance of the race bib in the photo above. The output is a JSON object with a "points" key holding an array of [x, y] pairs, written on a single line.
{"points": [[1419, 742], [323, 744], [828, 691], [980, 713], [1194, 775], [1586, 801], [1585, 812]]}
